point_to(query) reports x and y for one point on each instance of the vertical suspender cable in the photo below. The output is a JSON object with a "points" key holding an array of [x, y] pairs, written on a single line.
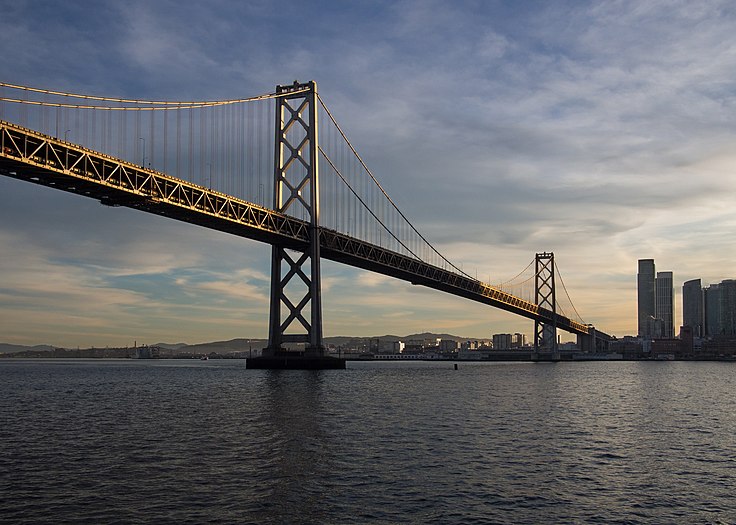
{"points": [[152, 137], [191, 144], [202, 141], [178, 145], [166, 140]]}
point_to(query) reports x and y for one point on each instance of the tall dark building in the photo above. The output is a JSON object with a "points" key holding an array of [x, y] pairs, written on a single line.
{"points": [[712, 310], [692, 307], [664, 306], [728, 307], [720, 309], [646, 296]]}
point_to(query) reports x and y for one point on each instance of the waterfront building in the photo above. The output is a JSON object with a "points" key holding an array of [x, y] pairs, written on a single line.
{"points": [[664, 306], [712, 307], [692, 307], [728, 307], [687, 340], [515, 341], [655, 328], [719, 309], [628, 347], [655, 302], [501, 341], [668, 348], [448, 345], [645, 296]]}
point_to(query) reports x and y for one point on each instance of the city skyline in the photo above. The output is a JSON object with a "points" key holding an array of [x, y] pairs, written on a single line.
{"points": [[707, 311], [602, 132]]}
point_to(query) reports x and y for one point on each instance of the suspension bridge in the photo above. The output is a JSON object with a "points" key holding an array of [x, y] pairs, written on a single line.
{"points": [[276, 168]]}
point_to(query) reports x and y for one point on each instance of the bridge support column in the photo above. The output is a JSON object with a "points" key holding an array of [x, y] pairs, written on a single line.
{"points": [[588, 343], [545, 334], [296, 306], [594, 342]]}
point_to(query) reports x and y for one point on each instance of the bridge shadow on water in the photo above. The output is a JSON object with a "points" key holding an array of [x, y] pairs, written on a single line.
{"points": [[297, 446]]}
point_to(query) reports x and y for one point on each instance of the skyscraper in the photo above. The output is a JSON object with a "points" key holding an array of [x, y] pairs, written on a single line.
{"points": [[664, 306], [645, 296], [720, 309], [692, 306], [712, 303], [728, 307]]}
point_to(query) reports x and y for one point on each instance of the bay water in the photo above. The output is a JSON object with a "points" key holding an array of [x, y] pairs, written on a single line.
{"points": [[178, 441]]}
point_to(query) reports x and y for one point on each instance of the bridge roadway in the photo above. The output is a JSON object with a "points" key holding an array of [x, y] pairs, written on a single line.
{"points": [[31, 156]]}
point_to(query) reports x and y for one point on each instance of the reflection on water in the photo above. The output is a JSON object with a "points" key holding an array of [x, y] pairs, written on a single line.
{"points": [[212, 442], [296, 443]]}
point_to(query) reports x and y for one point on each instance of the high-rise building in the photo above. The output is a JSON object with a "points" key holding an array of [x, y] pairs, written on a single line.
{"points": [[502, 341], [712, 307], [664, 306], [728, 307], [720, 309], [645, 296], [692, 307]]}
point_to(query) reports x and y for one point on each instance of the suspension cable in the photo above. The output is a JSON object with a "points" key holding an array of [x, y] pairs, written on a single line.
{"points": [[115, 108], [567, 294], [158, 105], [519, 283], [378, 184], [365, 205], [520, 273]]}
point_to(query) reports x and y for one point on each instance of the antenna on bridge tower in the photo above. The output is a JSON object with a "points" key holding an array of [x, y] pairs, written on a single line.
{"points": [[296, 191], [545, 334]]}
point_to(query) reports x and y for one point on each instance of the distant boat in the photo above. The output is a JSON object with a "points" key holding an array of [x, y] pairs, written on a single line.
{"points": [[204, 358]]}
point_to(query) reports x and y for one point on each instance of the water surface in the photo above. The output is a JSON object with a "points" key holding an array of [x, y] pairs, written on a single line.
{"points": [[168, 441]]}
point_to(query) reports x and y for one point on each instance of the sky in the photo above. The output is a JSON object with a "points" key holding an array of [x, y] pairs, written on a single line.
{"points": [[601, 131]]}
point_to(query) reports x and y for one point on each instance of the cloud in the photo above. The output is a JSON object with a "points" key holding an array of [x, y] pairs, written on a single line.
{"points": [[600, 130]]}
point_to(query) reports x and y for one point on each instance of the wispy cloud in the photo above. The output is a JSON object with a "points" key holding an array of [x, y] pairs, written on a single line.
{"points": [[601, 130]]}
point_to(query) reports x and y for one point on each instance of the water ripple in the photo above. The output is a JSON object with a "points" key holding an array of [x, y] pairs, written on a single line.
{"points": [[415, 443]]}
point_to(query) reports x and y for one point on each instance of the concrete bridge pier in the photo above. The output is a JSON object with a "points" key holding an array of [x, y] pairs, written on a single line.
{"points": [[294, 360]]}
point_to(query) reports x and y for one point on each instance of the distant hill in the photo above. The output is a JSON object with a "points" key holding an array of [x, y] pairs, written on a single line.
{"points": [[421, 336], [244, 345], [171, 346], [430, 335], [233, 345], [6, 348]]}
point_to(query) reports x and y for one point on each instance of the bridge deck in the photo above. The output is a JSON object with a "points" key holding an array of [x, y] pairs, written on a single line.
{"points": [[41, 159]]}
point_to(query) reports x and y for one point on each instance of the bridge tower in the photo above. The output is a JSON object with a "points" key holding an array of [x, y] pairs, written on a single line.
{"points": [[545, 334], [296, 309]]}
